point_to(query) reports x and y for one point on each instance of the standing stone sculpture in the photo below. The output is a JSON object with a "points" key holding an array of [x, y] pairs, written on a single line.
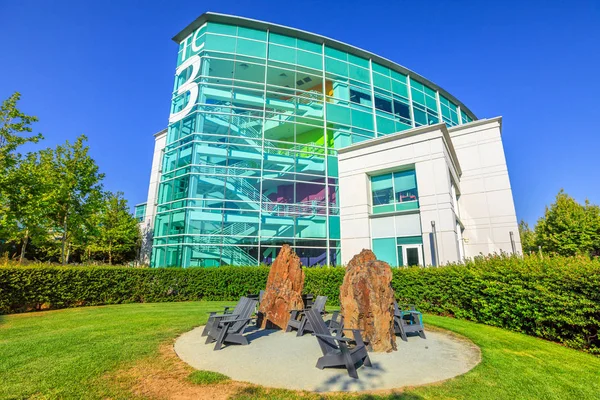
{"points": [[284, 290], [367, 300]]}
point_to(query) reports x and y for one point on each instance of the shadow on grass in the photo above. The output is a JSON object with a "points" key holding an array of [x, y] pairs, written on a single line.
{"points": [[393, 396], [257, 392], [2, 319]]}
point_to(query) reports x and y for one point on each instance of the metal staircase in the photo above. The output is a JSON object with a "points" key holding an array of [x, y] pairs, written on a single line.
{"points": [[223, 243]]}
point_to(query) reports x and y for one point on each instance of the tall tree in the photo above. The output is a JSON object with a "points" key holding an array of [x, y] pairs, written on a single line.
{"points": [[77, 192], [14, 129], [569, 228], [27, 194], [119, 232], [13, 125]]}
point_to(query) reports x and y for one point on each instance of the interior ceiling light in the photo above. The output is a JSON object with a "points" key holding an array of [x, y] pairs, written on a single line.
{"points": [[300, 82], [307, 79], [283, 75], [244, 66]]}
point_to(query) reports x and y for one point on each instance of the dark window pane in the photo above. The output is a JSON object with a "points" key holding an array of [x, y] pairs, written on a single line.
{"points": [[383, 104], [401, 109], [412, 256], [359, 97]]}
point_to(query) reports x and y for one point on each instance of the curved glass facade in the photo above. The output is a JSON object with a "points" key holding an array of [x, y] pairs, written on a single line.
{"points": [[251, 162]]}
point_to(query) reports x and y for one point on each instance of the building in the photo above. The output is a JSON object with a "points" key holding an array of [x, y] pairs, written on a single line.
{"points": [[277, 136]]}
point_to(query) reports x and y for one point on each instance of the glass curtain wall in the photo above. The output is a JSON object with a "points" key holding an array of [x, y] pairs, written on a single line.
{"points": [[140, 211], [251, 162]]}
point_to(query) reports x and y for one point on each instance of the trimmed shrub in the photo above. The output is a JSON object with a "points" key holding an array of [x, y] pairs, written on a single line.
{"points": [[39, 288], [553, 298]]}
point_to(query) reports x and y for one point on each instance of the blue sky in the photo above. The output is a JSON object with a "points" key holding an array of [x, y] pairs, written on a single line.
{"points": [[105, 68]]}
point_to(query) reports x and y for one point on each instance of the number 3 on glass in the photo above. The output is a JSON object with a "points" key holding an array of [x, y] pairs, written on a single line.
{"points": [[188, 86]]}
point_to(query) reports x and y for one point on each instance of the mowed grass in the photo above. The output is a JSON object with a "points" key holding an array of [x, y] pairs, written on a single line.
{"points": [[69, 353], [65, 353]]}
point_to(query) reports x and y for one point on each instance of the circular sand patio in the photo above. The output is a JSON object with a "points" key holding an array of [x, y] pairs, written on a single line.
{"points": [[282, 360]]}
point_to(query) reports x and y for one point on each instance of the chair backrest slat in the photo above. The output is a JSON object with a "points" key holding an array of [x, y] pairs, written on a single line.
{"points": [[245, 312], [319, 326], [319, 304], [239, 305], [397, 312]]}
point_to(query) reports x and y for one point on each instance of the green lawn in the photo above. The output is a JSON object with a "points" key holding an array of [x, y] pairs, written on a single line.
{"points": [[68, 354]]}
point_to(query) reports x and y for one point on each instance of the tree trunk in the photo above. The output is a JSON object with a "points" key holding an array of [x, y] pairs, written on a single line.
{"points": [[109, 255], [68, 253], [24, 246], [64, 241]]}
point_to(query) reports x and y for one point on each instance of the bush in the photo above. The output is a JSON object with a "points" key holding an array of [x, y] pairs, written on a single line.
{"points": [[554, 298], [39, 288]]}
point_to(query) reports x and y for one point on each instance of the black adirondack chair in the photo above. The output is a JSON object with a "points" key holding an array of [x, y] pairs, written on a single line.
{"points": [[230, 328], [298, 319], [408, 321], [336, 323], [337, 350], [258, 297], [307, 299], [215, 315]]}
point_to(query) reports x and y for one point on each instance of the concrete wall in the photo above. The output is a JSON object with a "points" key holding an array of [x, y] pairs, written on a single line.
{"points": [[462, 179], [147, 226], [427, 148], [486, 204]]}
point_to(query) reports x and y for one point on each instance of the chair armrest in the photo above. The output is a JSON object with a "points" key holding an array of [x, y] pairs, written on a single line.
{"points": [[224, 311], [338, 338], [235, 320], [223, 315], [357, 336]]}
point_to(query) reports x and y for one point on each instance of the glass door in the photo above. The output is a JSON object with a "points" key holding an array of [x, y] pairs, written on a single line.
{"points": [[412, 254]]}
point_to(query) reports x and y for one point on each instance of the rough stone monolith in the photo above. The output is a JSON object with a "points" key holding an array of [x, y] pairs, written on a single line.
{"points": [[367, 300], [284, 290]]}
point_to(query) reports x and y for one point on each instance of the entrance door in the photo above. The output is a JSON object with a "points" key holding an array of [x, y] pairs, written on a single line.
{"points": [[412, 254]]}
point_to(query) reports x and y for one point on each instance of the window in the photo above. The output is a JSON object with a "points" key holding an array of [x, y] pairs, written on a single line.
{"points": [[405, 186], [382, 189], [140, 212], [383, 104], [404, 251], [401, 109], [359, 97], [424, 104], [412, 255], [395, 191]]}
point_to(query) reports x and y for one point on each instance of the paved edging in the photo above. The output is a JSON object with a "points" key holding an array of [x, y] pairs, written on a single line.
{"points": [[282, 360]]}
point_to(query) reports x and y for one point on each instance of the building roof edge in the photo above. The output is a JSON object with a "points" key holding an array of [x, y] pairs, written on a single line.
{"points": [[160, 133], [285, 30], [441, 127]]}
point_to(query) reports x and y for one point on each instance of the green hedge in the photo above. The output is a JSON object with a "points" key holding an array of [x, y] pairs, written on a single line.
{"points": [[37, 288], [554, 298]]}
